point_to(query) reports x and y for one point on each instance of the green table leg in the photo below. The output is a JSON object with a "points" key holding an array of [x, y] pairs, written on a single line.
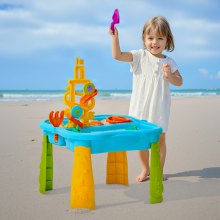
{"points": [[156, 175], [46, 166]]}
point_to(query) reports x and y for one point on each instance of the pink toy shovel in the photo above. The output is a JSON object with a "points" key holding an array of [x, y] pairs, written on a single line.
{"points": [[115, 20]]}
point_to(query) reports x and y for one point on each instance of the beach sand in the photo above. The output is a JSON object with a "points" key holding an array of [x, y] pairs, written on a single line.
{"points": [[192, 166]]}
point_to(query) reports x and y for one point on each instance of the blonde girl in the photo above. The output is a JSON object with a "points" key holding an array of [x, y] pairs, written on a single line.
{"points": [[152, 73]]}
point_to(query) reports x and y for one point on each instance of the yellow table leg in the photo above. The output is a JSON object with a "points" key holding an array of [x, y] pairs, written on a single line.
{"points": [[117, 168], [82, 193]]}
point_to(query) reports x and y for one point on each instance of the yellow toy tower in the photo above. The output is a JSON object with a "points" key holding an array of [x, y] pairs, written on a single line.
{"points": [[79, 97]]}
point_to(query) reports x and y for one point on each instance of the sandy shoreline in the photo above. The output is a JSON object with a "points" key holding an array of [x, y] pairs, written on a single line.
{"points": [[192, 165]]}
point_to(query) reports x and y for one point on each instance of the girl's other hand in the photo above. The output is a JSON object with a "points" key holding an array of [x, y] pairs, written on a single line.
{"points": [[166, 70]]}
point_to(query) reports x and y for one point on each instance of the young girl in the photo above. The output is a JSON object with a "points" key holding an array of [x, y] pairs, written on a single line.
{"points": [[152, 73]]}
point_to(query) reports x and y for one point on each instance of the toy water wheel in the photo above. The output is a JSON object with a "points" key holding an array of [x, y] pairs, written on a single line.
{"points": [[88, 88], [76, 111]]}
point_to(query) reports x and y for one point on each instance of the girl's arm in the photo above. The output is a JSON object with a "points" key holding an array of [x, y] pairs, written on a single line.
{"points": [[174, 78], [116, 51]]}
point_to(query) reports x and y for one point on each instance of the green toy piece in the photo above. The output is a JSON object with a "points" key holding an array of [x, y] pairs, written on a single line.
{"points": [[156, 175], [132, 127], [46, 166], [89, 88]]}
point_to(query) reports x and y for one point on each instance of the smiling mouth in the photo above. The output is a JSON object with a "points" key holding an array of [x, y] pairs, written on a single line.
{"points": [[155, 48]]}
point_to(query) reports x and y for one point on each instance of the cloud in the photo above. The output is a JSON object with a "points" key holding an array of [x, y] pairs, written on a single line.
{"points": [[197, 37], [29, 26], [24, 31], [51, 35], [196, 24], [205, 73], [8, 6], [205, 3]]}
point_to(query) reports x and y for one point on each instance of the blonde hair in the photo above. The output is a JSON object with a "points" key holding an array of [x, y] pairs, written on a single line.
{"points": [[161, 26]]}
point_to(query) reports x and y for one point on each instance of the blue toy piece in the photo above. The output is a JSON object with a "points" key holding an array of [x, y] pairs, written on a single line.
{"points": [[76, 111]]}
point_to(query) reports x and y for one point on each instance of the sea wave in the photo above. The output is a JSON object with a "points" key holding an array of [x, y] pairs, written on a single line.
{"points": [[113, 95], [195, 93], [179, 94], [13, 96]]}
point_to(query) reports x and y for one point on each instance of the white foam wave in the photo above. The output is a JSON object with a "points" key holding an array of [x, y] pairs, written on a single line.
{"points": [[13, 97], [57, 95], [193, 94]]}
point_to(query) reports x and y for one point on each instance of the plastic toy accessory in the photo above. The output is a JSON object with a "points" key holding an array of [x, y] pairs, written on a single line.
{"points": [[115, 19], [117, 119], [79, 98], [56, 121]]}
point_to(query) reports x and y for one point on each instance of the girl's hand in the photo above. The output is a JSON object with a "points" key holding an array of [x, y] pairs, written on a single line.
{"points": [[166, 70], [115, 34]]}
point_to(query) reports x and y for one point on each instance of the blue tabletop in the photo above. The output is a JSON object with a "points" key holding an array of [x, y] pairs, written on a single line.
{"points": [[134, 135]]}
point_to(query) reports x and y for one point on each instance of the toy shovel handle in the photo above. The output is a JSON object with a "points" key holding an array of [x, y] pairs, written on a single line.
{"points": [[113, 27]]}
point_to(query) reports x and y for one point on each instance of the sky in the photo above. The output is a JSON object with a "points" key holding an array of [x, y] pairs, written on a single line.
{"points": [[39, 41]]}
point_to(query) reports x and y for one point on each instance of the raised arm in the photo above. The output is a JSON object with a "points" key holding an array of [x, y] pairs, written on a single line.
{"points": [[116, 50]]}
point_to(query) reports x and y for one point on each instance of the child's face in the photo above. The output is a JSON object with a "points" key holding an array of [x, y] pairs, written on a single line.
{"points": [[155, 44]]}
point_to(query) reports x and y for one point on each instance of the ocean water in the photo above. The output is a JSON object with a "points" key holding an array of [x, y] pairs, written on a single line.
{"points": [[56, 95]]}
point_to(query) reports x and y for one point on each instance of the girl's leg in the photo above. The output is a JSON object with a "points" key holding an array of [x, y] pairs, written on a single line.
{"points": [[163, 149], [144, 158], [163, 152]]}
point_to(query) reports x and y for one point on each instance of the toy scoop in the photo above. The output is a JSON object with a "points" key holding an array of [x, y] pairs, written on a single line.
{"points": [[115, 19]]}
